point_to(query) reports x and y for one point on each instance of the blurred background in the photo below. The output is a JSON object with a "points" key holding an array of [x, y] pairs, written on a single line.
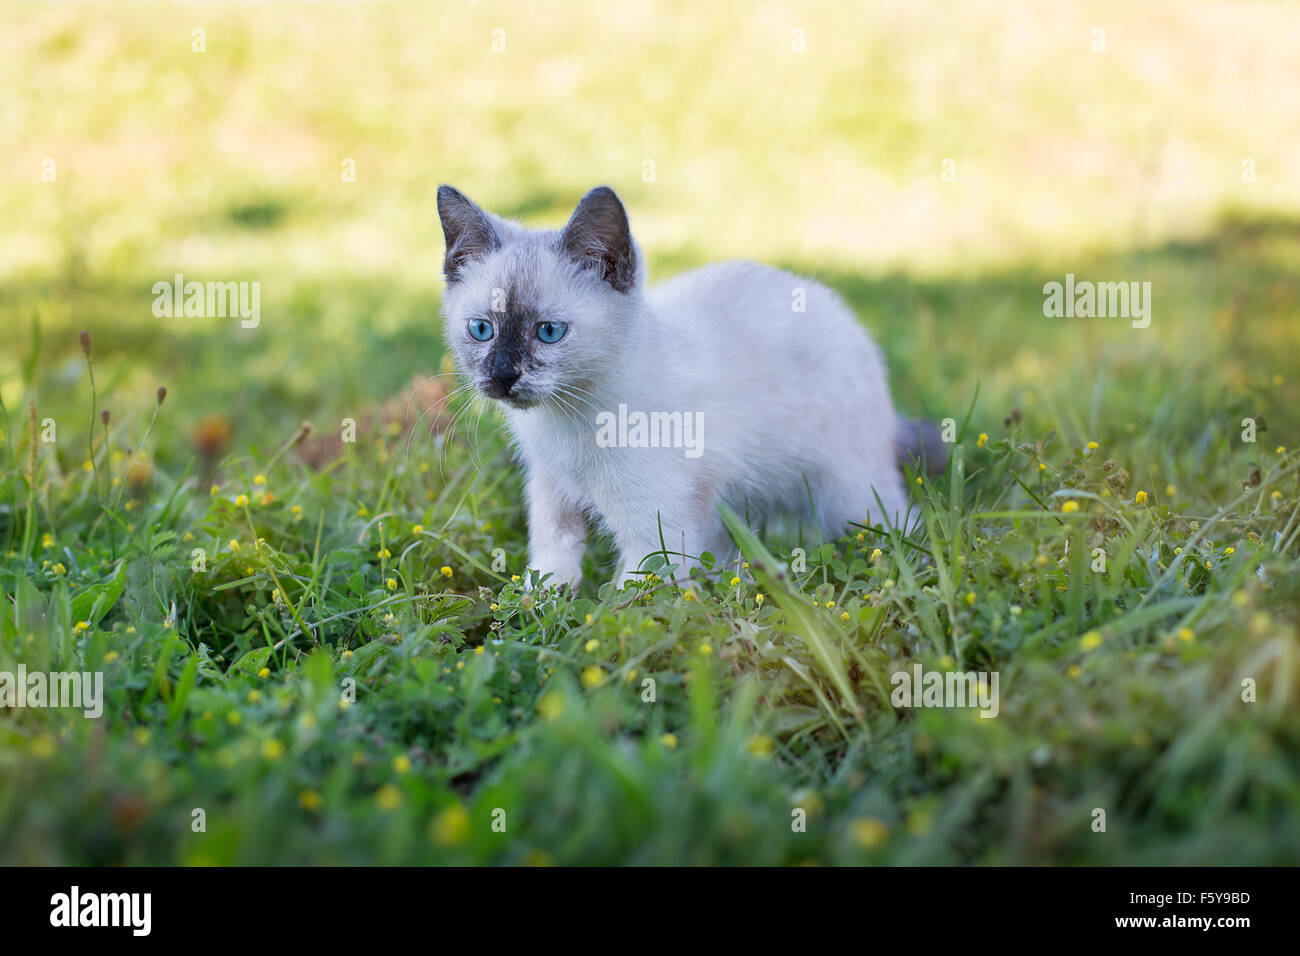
{"points": [[936, 162]]}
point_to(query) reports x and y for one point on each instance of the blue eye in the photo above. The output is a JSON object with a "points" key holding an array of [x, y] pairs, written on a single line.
{"points": [[551, 332], [480, 329]]}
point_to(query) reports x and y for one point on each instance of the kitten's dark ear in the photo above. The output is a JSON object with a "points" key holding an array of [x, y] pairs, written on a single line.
{"points": [[599, 238], [466, 228]]}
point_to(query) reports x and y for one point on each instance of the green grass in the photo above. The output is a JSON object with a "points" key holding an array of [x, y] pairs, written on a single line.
{"points": [[1120, 690]]}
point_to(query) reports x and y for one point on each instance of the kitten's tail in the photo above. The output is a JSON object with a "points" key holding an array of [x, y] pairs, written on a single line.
{"points": [[920, 443]]}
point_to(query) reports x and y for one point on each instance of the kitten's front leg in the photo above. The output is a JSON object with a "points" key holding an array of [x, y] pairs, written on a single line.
{"points": [[557, 531]]}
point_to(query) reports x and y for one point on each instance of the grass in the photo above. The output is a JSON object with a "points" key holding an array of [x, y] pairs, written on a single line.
{"points": [[331, 663]]}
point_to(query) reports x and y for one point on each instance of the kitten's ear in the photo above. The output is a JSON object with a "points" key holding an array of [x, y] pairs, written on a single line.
{"points": [[598, 237], [467, 230]]}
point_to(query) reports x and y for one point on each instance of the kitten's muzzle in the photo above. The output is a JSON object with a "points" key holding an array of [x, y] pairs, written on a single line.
{"points": [[501, 384], [504, 373]]}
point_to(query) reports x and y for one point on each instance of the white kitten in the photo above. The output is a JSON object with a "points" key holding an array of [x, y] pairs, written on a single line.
{"points": [[643, 408]]}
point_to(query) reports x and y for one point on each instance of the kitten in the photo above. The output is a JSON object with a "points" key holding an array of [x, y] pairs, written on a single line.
{"points": [[643, 408]]}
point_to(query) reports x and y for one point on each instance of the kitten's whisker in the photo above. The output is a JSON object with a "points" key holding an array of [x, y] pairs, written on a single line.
{"points": [[442, 401]]}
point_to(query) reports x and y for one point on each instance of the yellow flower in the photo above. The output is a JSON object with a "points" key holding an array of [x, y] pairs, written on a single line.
{"points": [[1075, 670], [1070, 507], [272, 749], [982, 441], [593, 675], [233, 546], [59, 568], [363, 511], [1229, 550], [844, 616], [384, 553], [480, 649], [254, 696], [388, 797], [918, 479], [1186, 634], [758, 598], [241, 500], [445, 571], [451, 827], [47, 541], [1092, 446], [1140, 497], [829, 605], [259, 479], [970, 597], [1090, 641], [264, 672], [1042, 466], [706, 649], [735, 582], [551, 706], [1170, 491], [141, 735], [296, 510], [1281, 449], [402, 763], [309, 800], [868, 832], [392, 584], [877, 553], [760, 745], [669, 741], [417, 528], [591, 645]]}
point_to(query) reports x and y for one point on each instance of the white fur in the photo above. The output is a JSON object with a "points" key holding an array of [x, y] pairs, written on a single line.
{"points": [[792, 402]]}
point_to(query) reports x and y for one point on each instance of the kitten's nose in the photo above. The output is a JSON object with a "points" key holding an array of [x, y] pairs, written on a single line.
{"points": [[505, 379], [504, 372]]}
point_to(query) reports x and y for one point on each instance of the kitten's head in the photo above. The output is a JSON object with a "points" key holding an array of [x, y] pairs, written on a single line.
{"points": [[536, 316]]}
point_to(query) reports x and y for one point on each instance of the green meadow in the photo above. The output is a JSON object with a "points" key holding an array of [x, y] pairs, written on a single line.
{"points": [[318, 650]]}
